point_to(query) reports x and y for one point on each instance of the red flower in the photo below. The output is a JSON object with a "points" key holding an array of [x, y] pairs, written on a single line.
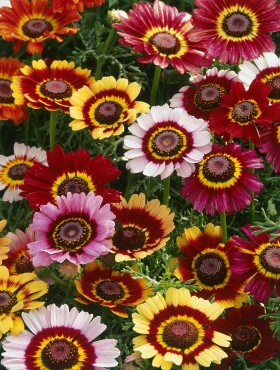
{"points": [[63, 6]]}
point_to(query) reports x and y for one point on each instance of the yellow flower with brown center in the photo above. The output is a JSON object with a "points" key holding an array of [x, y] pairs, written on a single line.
{"points": [[4, 243]]}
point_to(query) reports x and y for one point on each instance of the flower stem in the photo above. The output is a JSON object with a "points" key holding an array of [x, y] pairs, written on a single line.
{"points": [[53, 120], [155, 85], [57, 279], [223, 219], [252, 204], [101, 60], [166, 189]]}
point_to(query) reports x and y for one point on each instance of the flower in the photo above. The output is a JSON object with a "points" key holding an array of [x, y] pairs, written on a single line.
{"points": [[106, 106], [165, 140], [270, 144], [18, 292], [223, 181], [14, 167], [116, 15], [49, 86], [4, 243], [112, 289], [208, 262], [5, 3], [73, 172], [257, 263], [235, 29], [175, 329], [141, 228], [160, 33], [77, 229], [62, 6], [10, 67], [69, 270], [59, 338], [265, 68], [242, 110], [34, 22], [251, 335], [205, 92]]}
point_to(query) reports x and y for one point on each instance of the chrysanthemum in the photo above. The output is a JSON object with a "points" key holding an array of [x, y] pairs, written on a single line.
{"points": [[160, 33], [223, 181], [73, 172], [257, 263], [141, 228], [166, 140], [251, 336], [204, 93], [265, 68], [4, 243], [10, 67], [106, 106], [33, 22], [207, 261], [112, 289], [78, 5], [59, 338], [235, 29], [18, 292], [241, 111], [77, 229], [176, 330], [270, 144], [14, 167], [49, 86]]}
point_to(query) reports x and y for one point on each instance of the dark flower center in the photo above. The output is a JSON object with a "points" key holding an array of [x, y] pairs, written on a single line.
{"points": [[270, 258], [6, 92], [244, 112], [274, 82], [109, 290], [218, 168], [129, 238], [167, 143], [36, 28], [211, 269], [60, 354], [165, 43], [56, 89], [73, 185], [7, 301], [180, 334], [245, 338], [23, 264], [237, 25], [208, 96], [108, 113], [17, 172]]}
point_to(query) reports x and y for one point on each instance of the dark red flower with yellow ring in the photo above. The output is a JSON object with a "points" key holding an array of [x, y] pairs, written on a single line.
{"points": [[270, 144]]}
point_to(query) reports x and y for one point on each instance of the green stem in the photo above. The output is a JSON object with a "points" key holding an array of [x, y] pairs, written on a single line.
{"points": [[106, 47], [69, 288], [253, 203], [223, 219], [166, 189], [155, 85], [57, 279], [37, 133], [53, 121]]}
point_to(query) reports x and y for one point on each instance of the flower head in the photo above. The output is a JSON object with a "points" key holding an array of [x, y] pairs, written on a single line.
{"points": [[4, 243], [235, 29], [222, 181], [166, 140], [270, 144], [160, 33], [175, 329], [106, 106], [59, 338], [49, 86], [73, 172], [62, 6], [77, 229], [14, 167], [33, 22], [112, 289]]}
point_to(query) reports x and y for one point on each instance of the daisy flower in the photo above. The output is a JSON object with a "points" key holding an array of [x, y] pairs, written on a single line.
{"points": [[270, 144], [265, 68], [223, 180], [71, 5], [204, 93], [235, 29], [251, 336], [4, 243], [49, 86], [33, 22], [5, 3], [13, 168], [59, 338], [106, 106], [10, 67], [176, 329], [257, 262], [77, 229], [165, 140], [141, 228], [73, 172], [112, 289], [160, 33], [18, 292], [207, 261]]}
